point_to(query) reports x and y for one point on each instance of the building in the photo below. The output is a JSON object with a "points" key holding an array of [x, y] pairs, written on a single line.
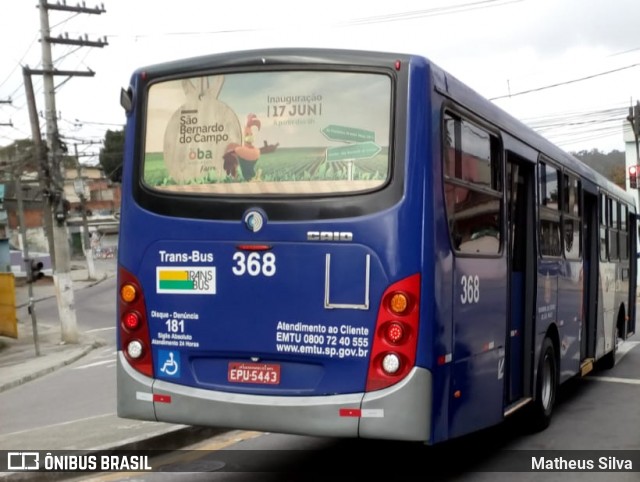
{"points": [[101, 199], [88, 189]]}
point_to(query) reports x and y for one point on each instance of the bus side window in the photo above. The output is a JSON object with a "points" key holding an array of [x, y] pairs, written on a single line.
{"points": [[624, 233], [572, 222], [613, 224], [549, 200], [473, 185], [603, 215]]}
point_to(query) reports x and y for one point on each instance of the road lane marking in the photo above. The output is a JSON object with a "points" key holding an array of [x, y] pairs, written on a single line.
{"points": [[107, 351], [100, 329], [94, 364], [624, 348], [629, 381], [61, 424]]}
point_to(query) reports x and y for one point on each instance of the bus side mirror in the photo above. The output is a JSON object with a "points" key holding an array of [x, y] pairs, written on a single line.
{"points": [[126, 99]]}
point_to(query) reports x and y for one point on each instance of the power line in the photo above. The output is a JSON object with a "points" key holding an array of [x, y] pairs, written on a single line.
{"points": [[62, 22], [588, 77], [98, 123], [578, 127], [391, 17], [19, 63], [431, 12], [635, 49]]}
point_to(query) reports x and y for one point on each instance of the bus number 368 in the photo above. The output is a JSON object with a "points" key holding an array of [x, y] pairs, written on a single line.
{"points": [[470, 287], [254, 264]]}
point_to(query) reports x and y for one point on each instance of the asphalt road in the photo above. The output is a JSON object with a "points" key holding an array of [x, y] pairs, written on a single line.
{"points": [[82, 390], [596, 416]]}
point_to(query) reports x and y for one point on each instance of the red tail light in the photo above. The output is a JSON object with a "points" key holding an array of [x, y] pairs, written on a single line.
{"points": [[131, 320], [393, 352], [394, 332], [133, 329]]}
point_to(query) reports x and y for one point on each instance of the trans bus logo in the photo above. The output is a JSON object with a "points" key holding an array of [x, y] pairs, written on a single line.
{"points": [[186, 280]]}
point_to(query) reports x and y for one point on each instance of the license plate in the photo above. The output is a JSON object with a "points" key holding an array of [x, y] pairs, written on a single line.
{"points": [[261, 373]]}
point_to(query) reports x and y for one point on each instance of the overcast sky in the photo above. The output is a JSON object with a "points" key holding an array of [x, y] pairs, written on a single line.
{"points": [[510, 51]]}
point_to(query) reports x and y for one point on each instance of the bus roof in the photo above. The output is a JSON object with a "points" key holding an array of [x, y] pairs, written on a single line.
{"points": [[443, 81], [453, 88]]}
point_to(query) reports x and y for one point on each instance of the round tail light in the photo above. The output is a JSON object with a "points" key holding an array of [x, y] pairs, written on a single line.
{"points": [[391, 363], [131, 320], [394, 333], [134, 349]]}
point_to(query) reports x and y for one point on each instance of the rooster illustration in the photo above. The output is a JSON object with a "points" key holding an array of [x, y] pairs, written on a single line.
{"points": [[244, 155]]}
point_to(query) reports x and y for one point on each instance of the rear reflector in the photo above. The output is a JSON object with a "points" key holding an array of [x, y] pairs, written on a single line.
{"points": [[443, 359], [161, 398], [350, 412], [362, 413]]}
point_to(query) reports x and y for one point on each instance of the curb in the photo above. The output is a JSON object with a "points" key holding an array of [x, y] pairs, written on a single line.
{"points": [[75, 355]]}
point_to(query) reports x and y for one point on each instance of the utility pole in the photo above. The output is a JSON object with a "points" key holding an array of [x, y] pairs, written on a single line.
{"points": [[79, 187], [634, 120], [44, 176], [62, 272]]}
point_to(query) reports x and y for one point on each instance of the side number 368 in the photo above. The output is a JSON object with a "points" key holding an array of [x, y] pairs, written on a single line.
{"points": [[470, 289]]}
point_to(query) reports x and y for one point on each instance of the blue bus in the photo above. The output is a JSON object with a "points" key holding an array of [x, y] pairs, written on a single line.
{"points": [[355, 244]]}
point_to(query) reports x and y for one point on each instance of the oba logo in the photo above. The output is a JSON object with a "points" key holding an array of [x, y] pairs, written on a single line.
{"points": [[200, 154]]}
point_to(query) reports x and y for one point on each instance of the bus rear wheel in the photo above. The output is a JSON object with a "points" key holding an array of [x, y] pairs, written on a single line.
{"points": [[546, 387]]}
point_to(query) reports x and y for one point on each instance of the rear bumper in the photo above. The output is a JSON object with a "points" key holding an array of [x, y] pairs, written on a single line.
{"points": [[400, 412]]}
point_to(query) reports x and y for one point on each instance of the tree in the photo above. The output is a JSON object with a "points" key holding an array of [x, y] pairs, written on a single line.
{"points": [[111, 155], [21, 150], [610, 165], [618, 175]]}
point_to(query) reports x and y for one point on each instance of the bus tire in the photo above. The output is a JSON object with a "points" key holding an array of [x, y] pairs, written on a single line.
{"points": [[546, 387]]}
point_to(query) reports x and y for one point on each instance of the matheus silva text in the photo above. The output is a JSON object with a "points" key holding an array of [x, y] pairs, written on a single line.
{"points": [[561, 463]]}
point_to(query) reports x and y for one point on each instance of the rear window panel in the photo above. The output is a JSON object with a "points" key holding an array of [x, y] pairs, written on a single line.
{"points": [[269, 133]]}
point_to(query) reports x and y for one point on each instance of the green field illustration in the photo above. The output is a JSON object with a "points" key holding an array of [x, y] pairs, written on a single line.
{"points": [[282, 165]]}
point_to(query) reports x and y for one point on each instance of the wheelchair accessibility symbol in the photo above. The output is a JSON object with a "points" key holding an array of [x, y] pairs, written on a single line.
{"points": [[168, 364]]}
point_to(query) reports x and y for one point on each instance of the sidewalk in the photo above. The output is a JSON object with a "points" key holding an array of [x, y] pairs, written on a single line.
{"points": [[18, 360], [19, 364]]}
